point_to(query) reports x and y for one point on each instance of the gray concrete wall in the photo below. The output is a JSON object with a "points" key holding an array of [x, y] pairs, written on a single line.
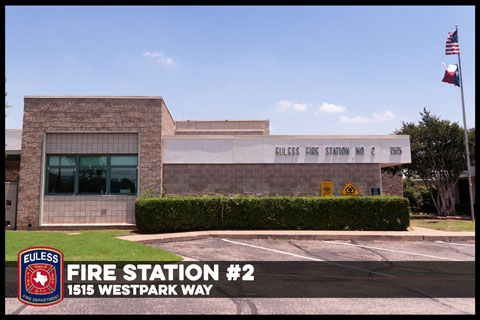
{"points": [[278, 149]]}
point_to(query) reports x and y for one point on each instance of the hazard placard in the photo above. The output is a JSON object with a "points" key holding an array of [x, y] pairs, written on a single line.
{"points": [[350, 190], [327, 188]]}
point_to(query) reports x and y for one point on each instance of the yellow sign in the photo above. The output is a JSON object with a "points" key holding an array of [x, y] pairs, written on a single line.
{"points": [[350, 190], [327, 188]]}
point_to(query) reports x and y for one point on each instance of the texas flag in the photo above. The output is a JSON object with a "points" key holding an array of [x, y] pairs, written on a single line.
{"points": [[452, 75]]}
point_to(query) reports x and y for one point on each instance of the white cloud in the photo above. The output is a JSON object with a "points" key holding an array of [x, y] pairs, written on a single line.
{"points": [[159, 57], [385, 116], [356, 119], [330, 108], [377, 117], [283, 105]]}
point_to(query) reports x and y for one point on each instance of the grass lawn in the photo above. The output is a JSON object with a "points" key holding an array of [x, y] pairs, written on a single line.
{"points": [[87, 246], [445, 225]]}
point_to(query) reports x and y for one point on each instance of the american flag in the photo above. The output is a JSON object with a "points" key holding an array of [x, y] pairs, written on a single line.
{"points": [[452, 44]]}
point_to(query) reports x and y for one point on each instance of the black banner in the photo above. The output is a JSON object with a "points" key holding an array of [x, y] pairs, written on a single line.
{"points": [[263, 279]]}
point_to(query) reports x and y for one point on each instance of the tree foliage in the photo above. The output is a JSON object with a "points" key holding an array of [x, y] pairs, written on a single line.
{"points": [[438, 157], [471, 145]]}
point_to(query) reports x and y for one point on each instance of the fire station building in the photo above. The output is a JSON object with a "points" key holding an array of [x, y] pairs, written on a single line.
{"points": [[82, 160]]}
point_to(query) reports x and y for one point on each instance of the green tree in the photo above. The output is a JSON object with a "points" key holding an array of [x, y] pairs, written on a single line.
{"points": [[471, 145], [412, 194], [438, 157]]}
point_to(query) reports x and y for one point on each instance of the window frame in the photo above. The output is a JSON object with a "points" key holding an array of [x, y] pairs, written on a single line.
{"points": [[109, 173], [77, 180], [60, 166], [77, 167]]}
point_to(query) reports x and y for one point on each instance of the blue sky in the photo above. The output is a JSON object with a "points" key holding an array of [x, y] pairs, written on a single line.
{"points": [[309, 70]]}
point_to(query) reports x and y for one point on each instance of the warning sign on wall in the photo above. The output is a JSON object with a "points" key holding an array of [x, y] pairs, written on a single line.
{"points": [[327, 188], [350, 190]]}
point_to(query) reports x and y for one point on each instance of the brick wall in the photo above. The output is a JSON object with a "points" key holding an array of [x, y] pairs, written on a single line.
{"points": [[260, 127], [12, 171], [94, 114], [92, 143], [392, 185], [267, 179], [219, 132], [168, 124], [168, 128]]}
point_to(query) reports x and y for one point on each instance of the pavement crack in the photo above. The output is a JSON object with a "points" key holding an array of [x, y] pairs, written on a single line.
{"points": [[454, 249], [250, 304], [371, 250], [306, 251], [448, 305], [20, 309], [240, 303]]}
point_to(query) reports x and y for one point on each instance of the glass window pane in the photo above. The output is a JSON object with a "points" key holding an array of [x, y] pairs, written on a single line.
{"points": [[92, 180], [53, 160], [123, 180], [68, 160], [93, 161], [123, 160], [60, 180]]}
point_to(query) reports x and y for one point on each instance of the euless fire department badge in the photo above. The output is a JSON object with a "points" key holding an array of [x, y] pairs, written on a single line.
{"points": [[40, 276]]}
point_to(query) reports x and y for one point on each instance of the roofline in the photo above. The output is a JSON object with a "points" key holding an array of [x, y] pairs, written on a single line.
{"points": [[346, 137], [94, 97], [256, 120], [13, 129]]}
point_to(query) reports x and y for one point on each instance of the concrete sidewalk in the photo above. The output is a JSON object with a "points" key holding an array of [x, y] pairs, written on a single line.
{"points": [[414, 234]]}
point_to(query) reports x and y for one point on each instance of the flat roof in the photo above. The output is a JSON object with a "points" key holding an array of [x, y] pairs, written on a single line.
{"points": [[228, 120], [357, 137], [13, 139], [93, 97]]}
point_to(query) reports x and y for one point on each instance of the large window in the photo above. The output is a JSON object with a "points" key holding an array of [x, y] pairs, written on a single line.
{"points": [[91, 174], [123, 174], [61, 174]]}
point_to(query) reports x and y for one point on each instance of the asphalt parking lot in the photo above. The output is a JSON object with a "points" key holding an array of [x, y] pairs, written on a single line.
{"points": [[216, 249]]}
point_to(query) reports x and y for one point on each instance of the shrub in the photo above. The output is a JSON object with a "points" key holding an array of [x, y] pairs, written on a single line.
{"points": [[412, 194], [427, 203], [149, 193], [176, 214]]}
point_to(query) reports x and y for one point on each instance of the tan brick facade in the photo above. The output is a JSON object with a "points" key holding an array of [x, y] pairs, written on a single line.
{"points": [[222, 127], [12, 171], [392, 185], [219, 132], [267, 179], [92, 143], [88, 114]]}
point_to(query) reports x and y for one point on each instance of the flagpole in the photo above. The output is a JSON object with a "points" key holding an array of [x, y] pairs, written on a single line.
{"points": [[466, 134]]}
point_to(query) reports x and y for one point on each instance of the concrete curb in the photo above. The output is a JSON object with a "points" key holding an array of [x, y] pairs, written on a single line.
{"points": [[185, 236]]}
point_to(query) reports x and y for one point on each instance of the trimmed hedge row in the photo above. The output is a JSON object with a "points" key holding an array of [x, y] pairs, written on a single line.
{"points": [[176, 214]]}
